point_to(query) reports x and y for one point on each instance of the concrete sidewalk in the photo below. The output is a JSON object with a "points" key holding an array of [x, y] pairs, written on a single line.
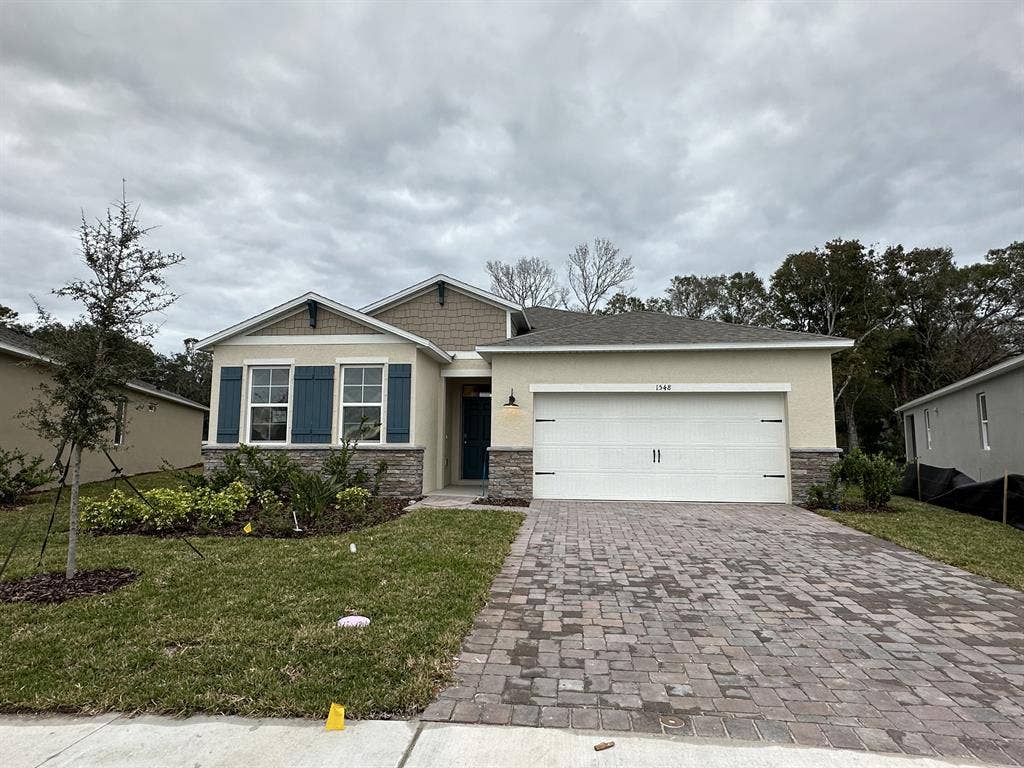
{"points": [[115, 741]]}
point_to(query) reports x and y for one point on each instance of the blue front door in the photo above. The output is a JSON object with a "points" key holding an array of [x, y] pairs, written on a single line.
{"points": [[476, 436]]}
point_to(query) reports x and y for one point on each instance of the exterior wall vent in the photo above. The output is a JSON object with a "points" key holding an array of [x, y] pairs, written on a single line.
{"points": [[440, 292], [311, 308]]}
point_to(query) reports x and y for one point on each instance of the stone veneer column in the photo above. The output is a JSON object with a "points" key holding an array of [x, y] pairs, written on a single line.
{"points": [[510, 473], [809, 466], [405, 463]]}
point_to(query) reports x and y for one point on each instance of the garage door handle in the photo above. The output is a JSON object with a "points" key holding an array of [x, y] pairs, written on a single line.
{"points": [[543, 473], [654, 456], [659, 455], [771, 421], [773, 475], [539, 420]]}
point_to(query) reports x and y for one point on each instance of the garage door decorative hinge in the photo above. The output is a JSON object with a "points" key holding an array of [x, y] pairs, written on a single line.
{"points": [[772, 475], [771, 421], [543, 473], [543, 419]]}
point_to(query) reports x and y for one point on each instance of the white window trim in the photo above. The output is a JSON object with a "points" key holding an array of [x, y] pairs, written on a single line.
{"points": [[927, 429], [249, 405], [364, 363], [983, 421]]}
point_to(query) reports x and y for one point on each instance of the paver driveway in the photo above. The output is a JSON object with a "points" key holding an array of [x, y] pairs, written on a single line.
{"points": [[742, 621]]}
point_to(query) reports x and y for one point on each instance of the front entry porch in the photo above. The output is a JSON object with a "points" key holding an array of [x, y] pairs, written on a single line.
{"points": [[467, 435]]}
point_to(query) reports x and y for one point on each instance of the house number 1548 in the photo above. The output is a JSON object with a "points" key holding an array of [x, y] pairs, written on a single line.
{"points": [[662, 387]]}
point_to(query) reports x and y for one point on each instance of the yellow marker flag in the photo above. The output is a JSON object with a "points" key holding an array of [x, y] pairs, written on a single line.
{"points": [[336, 718], [248, 528]]}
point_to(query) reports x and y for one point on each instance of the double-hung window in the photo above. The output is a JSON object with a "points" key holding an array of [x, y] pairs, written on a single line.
{"points": [[928, 429], [983, 420], [362, 402], [269, 401]]}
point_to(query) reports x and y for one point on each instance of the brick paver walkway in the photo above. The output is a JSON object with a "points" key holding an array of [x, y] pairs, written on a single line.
{"points": [[742, 621]]}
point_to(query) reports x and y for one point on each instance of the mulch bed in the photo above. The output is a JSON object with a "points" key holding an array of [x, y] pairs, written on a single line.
{"points": [[54, 588], [502, 501], [856, 506]]}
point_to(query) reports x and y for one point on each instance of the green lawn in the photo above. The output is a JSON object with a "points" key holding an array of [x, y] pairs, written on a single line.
{"points": [[966, 541], [250, 629]]}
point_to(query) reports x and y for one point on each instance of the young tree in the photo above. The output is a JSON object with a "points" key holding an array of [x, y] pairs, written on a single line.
{"points": [[96, 356], [531, 281], [593, 274]]}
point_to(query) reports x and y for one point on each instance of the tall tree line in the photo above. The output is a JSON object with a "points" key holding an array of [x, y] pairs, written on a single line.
{"points": [[920, 320]]}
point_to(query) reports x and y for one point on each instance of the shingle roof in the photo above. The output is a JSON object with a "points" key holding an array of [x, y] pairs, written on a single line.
{"points": [[559, 328], [30, 347]]}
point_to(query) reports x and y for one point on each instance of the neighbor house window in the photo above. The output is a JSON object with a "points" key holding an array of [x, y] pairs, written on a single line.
{"points": [[983, 420], [362, 402], [119, 421], [269, 401], [928, 429]]}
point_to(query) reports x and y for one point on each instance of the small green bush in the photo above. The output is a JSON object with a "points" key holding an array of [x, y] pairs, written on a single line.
{"points": [[338, 466], [260, 469], [312, 495], [169, 509], [19, 474], [827, 495], [879, 479], [853, 466]]}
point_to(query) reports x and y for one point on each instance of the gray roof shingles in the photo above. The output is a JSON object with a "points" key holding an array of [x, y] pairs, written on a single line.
{"points": [[29, 346], [555, 327]]}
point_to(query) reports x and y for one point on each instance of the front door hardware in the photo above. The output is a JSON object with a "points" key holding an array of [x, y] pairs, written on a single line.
{"points": [[771, 421], [543, 473], [543, 419], [773, 475]]}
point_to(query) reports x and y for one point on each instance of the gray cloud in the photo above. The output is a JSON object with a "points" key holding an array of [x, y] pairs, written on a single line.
{"points": [[354, 149]]}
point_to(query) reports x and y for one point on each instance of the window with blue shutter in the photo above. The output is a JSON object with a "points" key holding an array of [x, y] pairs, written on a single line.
{"points": [[229, 404], [312, 404], [399, 397]]}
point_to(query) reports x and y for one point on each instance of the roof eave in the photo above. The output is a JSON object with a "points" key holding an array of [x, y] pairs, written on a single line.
{"points": [[353, 314], [832, 344], [472, 290], [982, 376]]}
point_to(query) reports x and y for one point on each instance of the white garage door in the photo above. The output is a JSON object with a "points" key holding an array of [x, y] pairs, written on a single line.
{"points": [[662, 446]]}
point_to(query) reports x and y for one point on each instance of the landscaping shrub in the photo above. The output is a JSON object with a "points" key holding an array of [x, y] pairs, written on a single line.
{"points": [[260, 469], [853, 466], [168, 509], [19, 474], [338, 466], [827, 495], [879, 478], [312, 494]]}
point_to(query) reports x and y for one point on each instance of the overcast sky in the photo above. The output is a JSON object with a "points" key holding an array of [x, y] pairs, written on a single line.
{"points": [[356, 149]]}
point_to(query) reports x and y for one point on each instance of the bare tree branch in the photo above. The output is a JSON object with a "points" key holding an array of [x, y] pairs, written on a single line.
{"points": [[593, 274]]}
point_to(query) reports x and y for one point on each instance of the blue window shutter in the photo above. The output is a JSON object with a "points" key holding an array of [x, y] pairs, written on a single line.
{"points": [[312, 403], [229, 404], [399, 395]]}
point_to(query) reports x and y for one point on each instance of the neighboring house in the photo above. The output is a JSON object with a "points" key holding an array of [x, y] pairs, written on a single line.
{"points": [[157, 425], [975, 425], [541, 402]]}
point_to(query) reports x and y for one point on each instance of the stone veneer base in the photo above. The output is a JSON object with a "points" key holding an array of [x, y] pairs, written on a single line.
{"points": [[510, 473], [405, 464], [810, 466]]}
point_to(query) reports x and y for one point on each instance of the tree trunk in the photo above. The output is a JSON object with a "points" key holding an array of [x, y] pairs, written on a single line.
{"points": [[76, 484], [853, 441]]}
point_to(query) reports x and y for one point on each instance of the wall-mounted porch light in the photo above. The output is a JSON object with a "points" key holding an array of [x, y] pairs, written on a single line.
{"points": [[511, 400]]}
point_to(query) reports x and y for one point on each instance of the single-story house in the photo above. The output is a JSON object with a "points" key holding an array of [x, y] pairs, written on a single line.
{"points": [[451, 384], [975, 425], [157, 425]]}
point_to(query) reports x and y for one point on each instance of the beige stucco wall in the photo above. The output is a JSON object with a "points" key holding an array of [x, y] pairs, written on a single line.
{"points": [[811, 418], [460, 324], [300, 354], [173, 432], [427, 415]]}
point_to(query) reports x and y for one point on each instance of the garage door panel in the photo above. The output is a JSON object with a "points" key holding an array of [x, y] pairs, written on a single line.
{"points": [[713, 447]]}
